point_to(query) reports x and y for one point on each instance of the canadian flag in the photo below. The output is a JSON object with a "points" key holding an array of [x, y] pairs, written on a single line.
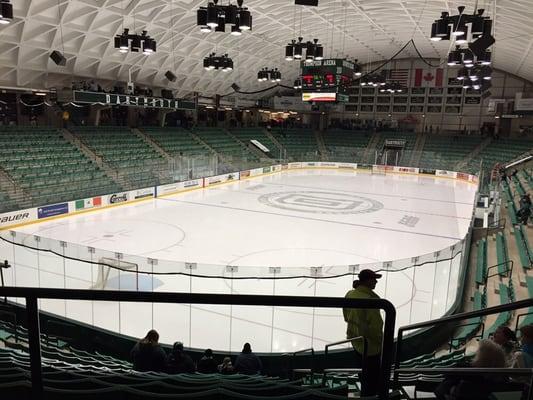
{"points": [[429, 77]]}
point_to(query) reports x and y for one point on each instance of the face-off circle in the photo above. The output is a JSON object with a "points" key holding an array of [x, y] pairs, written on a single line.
{"points": [[316, 202]]}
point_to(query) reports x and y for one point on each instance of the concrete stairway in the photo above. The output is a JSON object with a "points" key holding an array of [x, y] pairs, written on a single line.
{"points": [[368, 156], [418, 149], [14, 191], [464, 162], [280, 149], [321, 145], [152, 143], [111, 172]]}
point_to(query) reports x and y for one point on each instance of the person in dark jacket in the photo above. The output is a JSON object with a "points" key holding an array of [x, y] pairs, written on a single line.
{"points": [[476, 387], [207, 364], [178, 362], [248, 363], [147, 354]]}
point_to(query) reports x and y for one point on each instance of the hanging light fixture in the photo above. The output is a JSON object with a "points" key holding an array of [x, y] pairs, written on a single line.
{"points": [[297, 84], [6, 12], [265, 74], [212, 61], [216, 16], [127, 41], [294, 50]]}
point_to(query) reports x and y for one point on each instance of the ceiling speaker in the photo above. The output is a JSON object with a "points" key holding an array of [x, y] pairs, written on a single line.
{"points": [[235, 87], [480, 45], [170, 76], [58, 58], [313, 3]]}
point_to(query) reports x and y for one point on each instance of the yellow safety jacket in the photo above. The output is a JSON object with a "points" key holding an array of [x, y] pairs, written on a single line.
{"points": [[364, 322]]}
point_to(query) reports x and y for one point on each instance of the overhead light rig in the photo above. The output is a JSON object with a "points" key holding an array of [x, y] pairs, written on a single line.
{"points": [[214, 17], [127, 41], [392, 87], [6, 12], [269, 74], [223, 62], [475, 31], [375, 80], [313, 50], [477, 78]]}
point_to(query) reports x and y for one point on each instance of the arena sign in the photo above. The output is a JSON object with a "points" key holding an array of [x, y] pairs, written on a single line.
{"points": [[126, 100]]}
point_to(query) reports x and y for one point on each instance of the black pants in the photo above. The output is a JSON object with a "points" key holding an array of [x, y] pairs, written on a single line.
{"points": [[370, 376]]}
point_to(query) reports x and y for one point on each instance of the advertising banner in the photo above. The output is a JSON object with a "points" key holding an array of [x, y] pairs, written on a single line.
{"points": [[52, 210], [244, 174], [85, 204], [346, 165], [427, 171], [118, 198], [328, 164], [364, 166], [276, 168], [295, 165], [449, 174], [179, 186], [256, 172], [17, 217], [213, 180], [266, 170], [142, 193], [406, 170], [463, 176]]}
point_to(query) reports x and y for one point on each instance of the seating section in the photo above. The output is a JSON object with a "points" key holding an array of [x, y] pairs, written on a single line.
{"points": [[7, 203], [481, 262], [524, 249], [502, 318], [126, 152], [502, 254], [224, 144], [444, 152], [499, 151], [247, 134], [472, 325], [48, 168], [300, 144], [528, 319], [176, 141]]}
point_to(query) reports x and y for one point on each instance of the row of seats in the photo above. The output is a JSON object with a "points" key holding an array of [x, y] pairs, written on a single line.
{"points": [[248, 134], [444, 152], [176, 141], [223, 143], [498, 151], [299, 143], [48, 168]]}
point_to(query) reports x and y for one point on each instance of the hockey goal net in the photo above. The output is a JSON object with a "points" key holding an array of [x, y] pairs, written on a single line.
{"points": [[116, 274]]}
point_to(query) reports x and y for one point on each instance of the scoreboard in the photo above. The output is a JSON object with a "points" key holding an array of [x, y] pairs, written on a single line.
{"points": [[326, 76]]}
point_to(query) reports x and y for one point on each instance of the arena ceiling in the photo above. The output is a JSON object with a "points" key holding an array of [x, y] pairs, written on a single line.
{"points": [[363, 29]]}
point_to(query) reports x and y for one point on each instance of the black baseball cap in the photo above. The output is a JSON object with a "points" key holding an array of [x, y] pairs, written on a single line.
{"points": [[368, 274]]}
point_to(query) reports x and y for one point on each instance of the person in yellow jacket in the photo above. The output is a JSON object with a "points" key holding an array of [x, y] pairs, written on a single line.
{"points": [[369, 324]]}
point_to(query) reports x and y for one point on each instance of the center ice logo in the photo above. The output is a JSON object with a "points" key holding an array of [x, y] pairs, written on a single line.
{"points": [[321, 202]]}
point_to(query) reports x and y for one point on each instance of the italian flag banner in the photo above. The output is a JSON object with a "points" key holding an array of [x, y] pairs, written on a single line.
{"points": [[88, 203]]}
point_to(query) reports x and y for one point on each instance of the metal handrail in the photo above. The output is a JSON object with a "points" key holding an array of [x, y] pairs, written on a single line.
{"points": [[32, 295], [497, 265], [457, 317], [468, 324], [326, 352], [518, 319], [294, 353]]}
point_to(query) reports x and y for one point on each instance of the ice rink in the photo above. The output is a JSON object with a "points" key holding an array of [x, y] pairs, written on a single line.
{"points": [[294, 220]]}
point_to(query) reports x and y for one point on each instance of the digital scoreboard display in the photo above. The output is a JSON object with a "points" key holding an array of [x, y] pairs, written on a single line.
{"points": [[329, 76]]}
